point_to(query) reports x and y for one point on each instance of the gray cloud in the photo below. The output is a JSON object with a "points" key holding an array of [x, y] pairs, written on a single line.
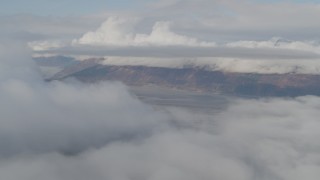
{"points": [[182, 51], [252, 139], [28, 27], [39, 117], [206, 20], [241, 20], [67, 130]]}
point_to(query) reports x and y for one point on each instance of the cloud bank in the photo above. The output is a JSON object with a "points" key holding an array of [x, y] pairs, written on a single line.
{"points": [[239, 65], [115, 31], [67, 130], [39, 117], [279, 43]]}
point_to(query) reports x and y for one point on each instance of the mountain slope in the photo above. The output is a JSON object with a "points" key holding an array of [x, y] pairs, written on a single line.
{"points": [[197, 79]]}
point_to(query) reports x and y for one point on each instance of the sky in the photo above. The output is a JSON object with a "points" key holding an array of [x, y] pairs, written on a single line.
{"points": [[65, 7], [80, 7], [242, 31], [264, 31], [275, 36]]}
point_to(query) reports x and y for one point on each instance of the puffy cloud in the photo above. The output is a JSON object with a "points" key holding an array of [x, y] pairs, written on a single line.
{"points": [[68, 118], [117, 31], [114, 31], [252, 139], [219, 21], [162, 35], [277, 137], [39, 117]]}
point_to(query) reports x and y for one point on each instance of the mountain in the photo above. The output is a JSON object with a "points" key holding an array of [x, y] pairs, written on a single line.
{"points": [[51, 65], [55, 61], [194, 78]]}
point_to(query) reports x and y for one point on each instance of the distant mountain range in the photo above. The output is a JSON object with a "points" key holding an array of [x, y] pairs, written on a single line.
{"points": [[189, 78]]}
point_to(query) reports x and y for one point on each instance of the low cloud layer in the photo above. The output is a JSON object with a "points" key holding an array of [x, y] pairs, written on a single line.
{"points": [[279, 43], [239, 65], [39, 117], [68, 130]]}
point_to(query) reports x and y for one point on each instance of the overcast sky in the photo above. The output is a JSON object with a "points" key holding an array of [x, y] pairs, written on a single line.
{"points": [[65, 7], [78, 7], [246, 29]]}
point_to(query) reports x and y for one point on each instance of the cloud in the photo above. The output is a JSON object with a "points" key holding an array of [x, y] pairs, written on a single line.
{"points": [[117, 31], [237, 20], [253, 139], [206, 20], [240, 32], [162, 35], [28, 27], [114, 31], [68, 118], [280, 43], [183, 51], [276, 55], [242, 56], [68, 130], [39, 117], [45, 45], [239, 65]]}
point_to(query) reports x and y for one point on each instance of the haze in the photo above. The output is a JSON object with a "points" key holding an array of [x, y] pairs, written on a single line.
{"points": [[72, 130]]}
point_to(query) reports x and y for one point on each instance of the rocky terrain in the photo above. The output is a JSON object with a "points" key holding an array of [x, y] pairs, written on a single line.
{"points": [[197, 79]]}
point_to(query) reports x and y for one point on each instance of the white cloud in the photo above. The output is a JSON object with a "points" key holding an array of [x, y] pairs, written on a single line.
{"points": [[114, 31], [117, 31], [163, 36], [45, 45], [240, 65], [279, 43], [218, 21]]}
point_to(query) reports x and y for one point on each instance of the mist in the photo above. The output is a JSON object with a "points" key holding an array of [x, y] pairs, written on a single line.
{"points": [[40, 117], [69, 130]]}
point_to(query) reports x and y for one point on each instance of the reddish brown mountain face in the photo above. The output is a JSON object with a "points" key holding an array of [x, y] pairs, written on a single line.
{"points": [[206, 81], [197, 79]]}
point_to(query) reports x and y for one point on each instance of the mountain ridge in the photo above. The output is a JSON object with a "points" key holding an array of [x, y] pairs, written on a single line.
{"points": [[193, 78]]}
